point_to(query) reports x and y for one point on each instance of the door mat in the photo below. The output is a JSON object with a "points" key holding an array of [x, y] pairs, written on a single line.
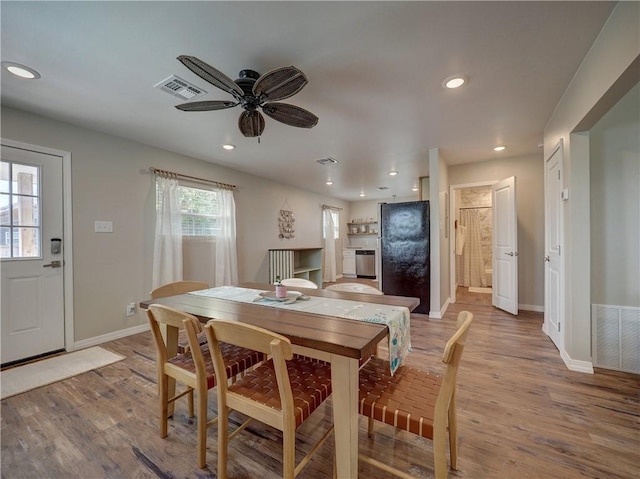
{"points": [[473, 289], [34, 375]]}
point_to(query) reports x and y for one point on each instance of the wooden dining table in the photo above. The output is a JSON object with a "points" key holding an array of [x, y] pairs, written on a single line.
{"points": [[342, 342]]}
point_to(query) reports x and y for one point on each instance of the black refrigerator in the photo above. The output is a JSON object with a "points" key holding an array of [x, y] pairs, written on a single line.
{"points": [[404, 251]]}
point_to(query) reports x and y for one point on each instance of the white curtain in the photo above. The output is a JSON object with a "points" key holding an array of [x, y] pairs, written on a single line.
{"points": [[226, 253], [167, 249], [329, 267], [472, 263]]}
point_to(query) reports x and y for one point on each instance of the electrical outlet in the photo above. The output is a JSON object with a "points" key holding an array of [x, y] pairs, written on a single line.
{"points": [[131, 309], [103, 227]]}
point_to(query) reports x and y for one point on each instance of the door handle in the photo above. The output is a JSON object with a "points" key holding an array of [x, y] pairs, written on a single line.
{"points": [[547, 259], [53, 264], [509, 253]]}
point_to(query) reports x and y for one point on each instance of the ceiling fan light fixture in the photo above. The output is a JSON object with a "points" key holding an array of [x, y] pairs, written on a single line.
{"points": [[329, 182], [393, 173], [21, 71], [455, 81], [362, 194], [228, 147], [500, 148], [253, 91], [415, 188]]}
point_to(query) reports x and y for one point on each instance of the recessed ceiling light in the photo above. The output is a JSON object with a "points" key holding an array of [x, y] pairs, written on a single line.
{"points": [[21, 71], [499, 148], [455, 81], [393, 173], [228, 147], [329, 182], [361, 194]]}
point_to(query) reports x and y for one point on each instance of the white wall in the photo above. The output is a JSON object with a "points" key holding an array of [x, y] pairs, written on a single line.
{"points": [[613, 52], [614, 144], [110, 181], [529, 173], [445, 235]]}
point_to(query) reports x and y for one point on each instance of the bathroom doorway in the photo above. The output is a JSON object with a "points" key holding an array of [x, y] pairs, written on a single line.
{"points": [[472, 273]]}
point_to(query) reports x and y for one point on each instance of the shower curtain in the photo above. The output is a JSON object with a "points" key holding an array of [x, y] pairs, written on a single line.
{"points": [[472, 263]]}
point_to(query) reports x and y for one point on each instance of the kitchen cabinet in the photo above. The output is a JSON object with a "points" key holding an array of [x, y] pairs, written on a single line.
{"points": [[349, 263], [365, 228], [303, 263]]}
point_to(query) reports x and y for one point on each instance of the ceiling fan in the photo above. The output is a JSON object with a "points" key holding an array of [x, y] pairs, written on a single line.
{"points": [[253, 91]]}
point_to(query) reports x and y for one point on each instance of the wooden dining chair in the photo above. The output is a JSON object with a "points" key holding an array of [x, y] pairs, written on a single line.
{"points": [[282, 392], [193, 369], [299, 283], [417, 401], [181, 287], [178, 287]]}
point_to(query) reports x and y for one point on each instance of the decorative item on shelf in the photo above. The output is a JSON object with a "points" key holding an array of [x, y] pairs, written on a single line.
{"points": [[281, 289], [363, 229], [285, 221], [354, 230]]}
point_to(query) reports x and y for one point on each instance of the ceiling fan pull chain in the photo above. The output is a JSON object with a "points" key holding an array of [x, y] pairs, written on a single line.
{"points": [[258, 140]]}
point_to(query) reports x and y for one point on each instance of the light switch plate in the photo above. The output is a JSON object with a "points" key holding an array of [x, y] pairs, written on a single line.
{"points": [[103, 227]]}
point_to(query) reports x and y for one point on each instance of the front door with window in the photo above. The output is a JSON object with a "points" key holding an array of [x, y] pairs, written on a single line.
{"points": [[31, 251]]}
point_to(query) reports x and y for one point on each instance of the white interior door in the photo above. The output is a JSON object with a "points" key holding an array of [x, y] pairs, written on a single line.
{"points": [[553, 265], [505, 246], [31, 217]]}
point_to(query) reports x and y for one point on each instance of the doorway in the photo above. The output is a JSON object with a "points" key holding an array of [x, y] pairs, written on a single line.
{"points": [[473, 238]]}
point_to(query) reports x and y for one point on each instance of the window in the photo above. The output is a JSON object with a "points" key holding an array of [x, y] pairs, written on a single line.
{"points": [[335, 218], [199, 210], [19, 210]]}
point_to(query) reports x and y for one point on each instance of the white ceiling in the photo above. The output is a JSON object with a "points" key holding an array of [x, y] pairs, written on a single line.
{"points": [[375, 71]]}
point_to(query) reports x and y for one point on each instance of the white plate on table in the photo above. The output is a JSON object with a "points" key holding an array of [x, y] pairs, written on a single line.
{"points": [[271, 295]]}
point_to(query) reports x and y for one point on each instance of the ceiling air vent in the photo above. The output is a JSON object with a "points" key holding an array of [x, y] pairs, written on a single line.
{"points": [[382, 188], [176, 86], [327, 161]]}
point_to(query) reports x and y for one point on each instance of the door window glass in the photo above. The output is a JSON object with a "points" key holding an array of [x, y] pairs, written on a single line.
{"points": [[19, 210]]}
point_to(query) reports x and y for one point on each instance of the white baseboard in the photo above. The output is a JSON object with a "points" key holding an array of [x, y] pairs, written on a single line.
{"points": [[123, 333], [531, 307], [440, 314], [576, 365]]}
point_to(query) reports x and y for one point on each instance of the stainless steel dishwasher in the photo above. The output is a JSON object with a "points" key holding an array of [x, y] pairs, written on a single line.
{"points": [[365, 263]]}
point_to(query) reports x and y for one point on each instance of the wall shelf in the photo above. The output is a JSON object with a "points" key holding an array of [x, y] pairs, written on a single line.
{"points": [[303, 263], [355, 229]]}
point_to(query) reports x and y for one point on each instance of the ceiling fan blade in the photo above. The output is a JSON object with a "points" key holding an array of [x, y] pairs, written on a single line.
{"points": [[206, 105], [210, 74], [290, 115], [251, 123], [280, 83]]}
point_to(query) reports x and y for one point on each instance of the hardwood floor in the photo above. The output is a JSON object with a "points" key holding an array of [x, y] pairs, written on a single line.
{"points": [[521, 414], [463, 296]]}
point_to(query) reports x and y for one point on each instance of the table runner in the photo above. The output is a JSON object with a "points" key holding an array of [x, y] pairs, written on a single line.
{"points": [[395, 317]]}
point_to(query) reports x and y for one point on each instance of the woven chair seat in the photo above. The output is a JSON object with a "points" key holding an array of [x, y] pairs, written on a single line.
{"points": [[310, 384], [236, 360], [405, 400]]}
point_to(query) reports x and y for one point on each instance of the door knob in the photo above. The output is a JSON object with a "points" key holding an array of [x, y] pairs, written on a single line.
{"points": [[547, 259], [53, 264], [509, 253]]}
